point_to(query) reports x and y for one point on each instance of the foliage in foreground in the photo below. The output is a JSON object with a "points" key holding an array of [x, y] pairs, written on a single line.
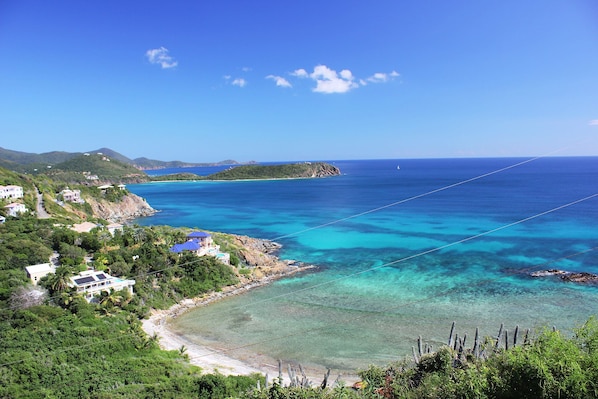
{"points": [[551, 366]]}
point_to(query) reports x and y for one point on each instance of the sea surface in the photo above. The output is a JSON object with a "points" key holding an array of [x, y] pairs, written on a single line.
{"points": [[403, 248]]}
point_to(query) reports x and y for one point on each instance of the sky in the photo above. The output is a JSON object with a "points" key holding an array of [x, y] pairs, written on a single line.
{"points": [[205, 81]]}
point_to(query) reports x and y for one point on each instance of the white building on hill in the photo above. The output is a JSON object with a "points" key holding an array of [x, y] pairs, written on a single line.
{"points": [[11, 192], [36, 272], [14, 209], [71, 195]]}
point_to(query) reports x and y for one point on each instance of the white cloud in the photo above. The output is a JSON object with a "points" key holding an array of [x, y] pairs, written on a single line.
{"points": [[328, 80], [594, 122], [280, 81], [381, 77], [239, 82], [160, 56], [301, 73]]}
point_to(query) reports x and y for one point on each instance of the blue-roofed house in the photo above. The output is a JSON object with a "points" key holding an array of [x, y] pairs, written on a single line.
{"points": [[190, 245], [201, 244]]}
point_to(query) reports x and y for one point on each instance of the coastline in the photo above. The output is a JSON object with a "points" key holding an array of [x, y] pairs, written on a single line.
{"points": [[208, 359]]}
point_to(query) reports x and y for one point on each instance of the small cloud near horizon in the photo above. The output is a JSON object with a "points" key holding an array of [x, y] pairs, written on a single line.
{"points": [[593, 122], [160, 56], [239, 82], [380, 77], [280, 81]]}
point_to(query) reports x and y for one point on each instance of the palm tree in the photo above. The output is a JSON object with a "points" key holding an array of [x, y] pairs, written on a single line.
{"points": [[60, 280], [110, 299]]}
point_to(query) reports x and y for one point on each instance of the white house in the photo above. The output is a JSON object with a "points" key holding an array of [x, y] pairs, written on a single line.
{"points": [[93, 282], [14, 209], [71, 195], [36, 272], [11, 192]]}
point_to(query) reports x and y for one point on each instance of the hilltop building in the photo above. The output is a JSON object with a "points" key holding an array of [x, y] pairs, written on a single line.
{"points": [[69, 195], [11, 192], [15, 209], [36, 272]]}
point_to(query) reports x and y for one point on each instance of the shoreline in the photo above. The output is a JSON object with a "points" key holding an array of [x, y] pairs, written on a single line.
{"points": [[214, 361]]}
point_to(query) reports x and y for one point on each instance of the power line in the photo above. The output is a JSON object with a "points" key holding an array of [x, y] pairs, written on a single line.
{"points": [[390, 308], [429, 251]]}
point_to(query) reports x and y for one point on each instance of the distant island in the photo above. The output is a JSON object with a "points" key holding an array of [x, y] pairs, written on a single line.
{"points": [[283, 171]]}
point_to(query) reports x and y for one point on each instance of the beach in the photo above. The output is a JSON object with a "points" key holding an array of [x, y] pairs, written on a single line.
{"points": [[213, 361]]}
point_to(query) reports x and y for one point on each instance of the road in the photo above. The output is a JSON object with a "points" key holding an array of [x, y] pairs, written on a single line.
{"points": [[41, 212]]}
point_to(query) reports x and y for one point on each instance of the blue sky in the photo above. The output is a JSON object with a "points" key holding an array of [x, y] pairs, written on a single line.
{"points": [[204, 81]]}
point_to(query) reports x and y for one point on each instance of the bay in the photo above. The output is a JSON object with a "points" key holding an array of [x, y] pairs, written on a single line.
{"points": [[396, 255]]}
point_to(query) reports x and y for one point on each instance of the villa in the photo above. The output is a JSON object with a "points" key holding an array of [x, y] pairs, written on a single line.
{"points": [[93, 282], [14, 209], [72, 195], [11, 192], [201, 243]]}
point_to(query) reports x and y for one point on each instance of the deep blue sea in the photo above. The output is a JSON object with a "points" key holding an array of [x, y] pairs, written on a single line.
{"points": [[397, 256]]}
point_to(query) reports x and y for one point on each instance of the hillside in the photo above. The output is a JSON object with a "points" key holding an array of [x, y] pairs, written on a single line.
{"points": [[27, 162], [94, 169], [284, 171]]}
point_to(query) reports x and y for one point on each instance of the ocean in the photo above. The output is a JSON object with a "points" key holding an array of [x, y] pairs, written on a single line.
{"points": [[403, 248]]}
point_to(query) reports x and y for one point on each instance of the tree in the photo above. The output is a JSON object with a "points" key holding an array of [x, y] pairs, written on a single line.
{"points": [[60, 280]]}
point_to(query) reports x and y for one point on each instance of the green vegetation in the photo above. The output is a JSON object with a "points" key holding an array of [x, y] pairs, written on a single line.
{"points": [[27, 162], [80, 168], [177, 177], [284, 171], [57, 345], [53, 343]]}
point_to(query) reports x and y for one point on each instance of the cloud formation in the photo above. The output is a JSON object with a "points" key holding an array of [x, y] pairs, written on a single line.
{"points": [[160, 56], [301, 73], [380, 77], [593, 122], [239, 82], [329, 81], [280, 81]]}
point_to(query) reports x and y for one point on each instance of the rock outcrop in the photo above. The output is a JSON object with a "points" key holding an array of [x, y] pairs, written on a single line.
{"points": [[575, 277], [322, 169], [129, 207], [260, 256]]}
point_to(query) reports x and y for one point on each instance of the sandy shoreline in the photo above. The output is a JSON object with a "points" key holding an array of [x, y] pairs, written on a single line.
{"points": [[209, 359]]}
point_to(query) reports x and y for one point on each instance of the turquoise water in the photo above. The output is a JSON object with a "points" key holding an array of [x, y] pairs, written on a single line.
{"points": [[387, 276]]}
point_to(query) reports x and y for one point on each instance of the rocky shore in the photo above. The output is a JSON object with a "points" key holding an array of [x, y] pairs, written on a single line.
{"points": [[129, 207]]}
